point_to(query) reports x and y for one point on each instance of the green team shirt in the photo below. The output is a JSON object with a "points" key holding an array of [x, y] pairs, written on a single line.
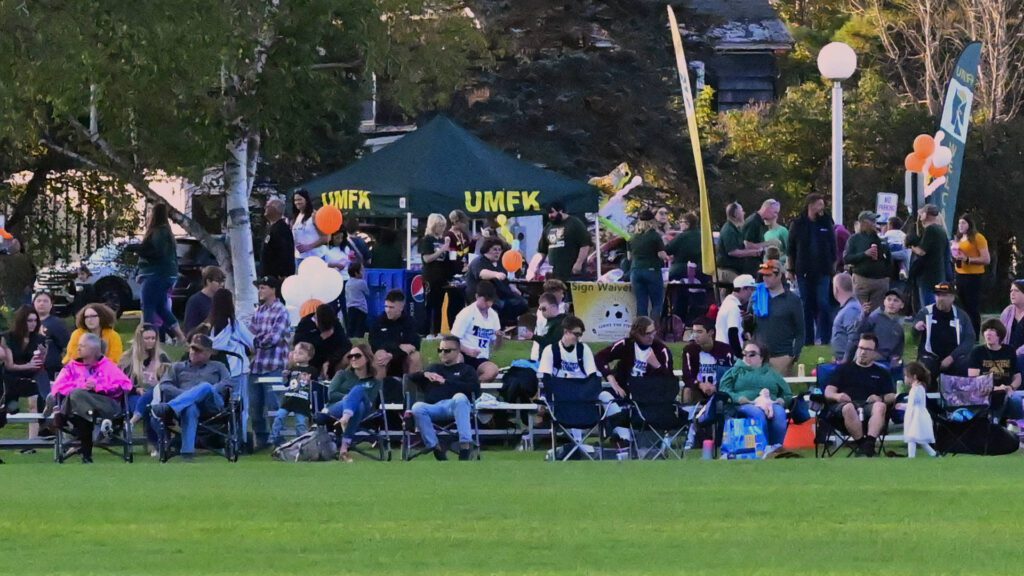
{"points": [[562, 243], [644, 248], [754, 229], [730, 239]]}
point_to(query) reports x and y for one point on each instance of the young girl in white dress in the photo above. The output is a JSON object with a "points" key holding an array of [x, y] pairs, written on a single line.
{"points": [[917, 422]]}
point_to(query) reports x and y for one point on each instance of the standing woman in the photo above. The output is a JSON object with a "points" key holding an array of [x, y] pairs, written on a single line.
{"points": [[99, 320], [460, 242], [309, 241], [647, 252], [971, 255], [158, 270], [144, 363], [434, 248], [684, 250]]}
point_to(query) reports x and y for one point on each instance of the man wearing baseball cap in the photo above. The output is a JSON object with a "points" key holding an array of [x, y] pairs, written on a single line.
{"points": [[729, 322], [782, 329], [871, 261], [947, 335], [270, 326], [930, 245]]}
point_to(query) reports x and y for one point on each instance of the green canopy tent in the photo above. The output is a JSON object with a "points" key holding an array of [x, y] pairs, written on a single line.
{"points": [[441, 167]]}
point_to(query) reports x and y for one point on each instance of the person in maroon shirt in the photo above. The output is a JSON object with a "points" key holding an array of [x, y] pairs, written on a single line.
{"points": [[701, 359], [641, 354]]}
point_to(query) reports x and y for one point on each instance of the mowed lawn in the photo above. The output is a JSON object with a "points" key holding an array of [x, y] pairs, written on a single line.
{"points": [[512, 513]]}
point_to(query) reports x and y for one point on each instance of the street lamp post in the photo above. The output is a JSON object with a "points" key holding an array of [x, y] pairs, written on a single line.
{"points": [[837, 62]]}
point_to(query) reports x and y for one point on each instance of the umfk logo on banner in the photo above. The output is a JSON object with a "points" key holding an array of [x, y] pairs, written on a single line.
{"points": [[956, 116]]}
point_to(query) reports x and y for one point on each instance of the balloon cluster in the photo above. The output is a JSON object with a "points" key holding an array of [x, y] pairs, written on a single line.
{"points": [[314, 281], [930, 157]]}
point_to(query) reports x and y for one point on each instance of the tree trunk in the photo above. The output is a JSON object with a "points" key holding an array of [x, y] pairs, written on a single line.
{"points": [[243, 264]]}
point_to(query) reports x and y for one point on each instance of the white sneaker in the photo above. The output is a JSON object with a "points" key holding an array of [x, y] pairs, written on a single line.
{"points": [[770, 450], [106, 429]]}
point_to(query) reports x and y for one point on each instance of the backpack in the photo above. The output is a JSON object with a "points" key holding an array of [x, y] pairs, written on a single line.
{"points": [[672, 328], [519, 384], [313, 446]]}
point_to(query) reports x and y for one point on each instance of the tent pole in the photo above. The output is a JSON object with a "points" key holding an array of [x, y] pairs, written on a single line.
{"points": [[597, 243], [408, 240]]}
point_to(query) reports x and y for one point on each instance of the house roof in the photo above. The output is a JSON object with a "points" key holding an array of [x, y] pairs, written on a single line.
{"points": [[740, 25]]}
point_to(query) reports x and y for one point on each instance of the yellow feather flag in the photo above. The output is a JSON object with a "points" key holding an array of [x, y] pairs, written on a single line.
{"points": [[707, 242]]}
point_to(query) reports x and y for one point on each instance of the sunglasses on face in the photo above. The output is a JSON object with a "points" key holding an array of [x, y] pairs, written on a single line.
{"points": [[445, 350], [354, 356]]}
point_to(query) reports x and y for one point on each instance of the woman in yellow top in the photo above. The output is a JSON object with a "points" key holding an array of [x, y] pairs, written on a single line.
{"points": [[99, 320], [970, 255]]}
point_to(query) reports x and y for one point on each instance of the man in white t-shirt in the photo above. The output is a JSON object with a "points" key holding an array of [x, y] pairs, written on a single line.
{"points": [[729, 323], [479, 330], [573, 359]]}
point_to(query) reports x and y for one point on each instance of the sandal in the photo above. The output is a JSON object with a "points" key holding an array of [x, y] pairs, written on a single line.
{"points": [[345, 457]]}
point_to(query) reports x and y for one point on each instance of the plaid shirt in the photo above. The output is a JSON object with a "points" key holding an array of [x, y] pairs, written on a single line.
{"points": [[270, 327]]}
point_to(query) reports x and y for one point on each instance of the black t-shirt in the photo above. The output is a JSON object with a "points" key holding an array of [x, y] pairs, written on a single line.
{"points": [[478, 265], [437, 270], [22, 354], [943, 338], [1002, 363], [859, 382]]}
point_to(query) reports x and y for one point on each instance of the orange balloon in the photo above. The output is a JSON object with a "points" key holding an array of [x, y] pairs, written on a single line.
{"points": [[328, 219], [5, 234], [914, 163], [308, 307], [512, 261], [937, 171], [924, 145]]}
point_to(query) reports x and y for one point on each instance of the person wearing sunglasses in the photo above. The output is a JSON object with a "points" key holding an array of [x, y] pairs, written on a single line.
{"points": [[745, 385], [443, 391], [351, 395], [782, 329], [478, 328]]}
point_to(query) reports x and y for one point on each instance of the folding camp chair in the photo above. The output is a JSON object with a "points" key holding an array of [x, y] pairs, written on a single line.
{"points": [[655, 411], [830, 434], [966, 412], [709, 416], [119, 443], [373, 438], [447, 432], [576, 411], [218, 432]]}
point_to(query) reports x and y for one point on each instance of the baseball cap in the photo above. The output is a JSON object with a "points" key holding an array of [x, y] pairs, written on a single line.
{"points": [[895, 293], [744, 281], [770, 266], [201, 342], [270, 281], [867, 215], [944, 288]]}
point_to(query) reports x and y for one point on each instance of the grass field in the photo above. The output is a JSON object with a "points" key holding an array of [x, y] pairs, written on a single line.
{"points": [[512, 514]]}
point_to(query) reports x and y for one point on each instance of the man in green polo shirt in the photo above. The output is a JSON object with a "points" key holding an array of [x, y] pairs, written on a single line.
{"points": [[734, 258]]}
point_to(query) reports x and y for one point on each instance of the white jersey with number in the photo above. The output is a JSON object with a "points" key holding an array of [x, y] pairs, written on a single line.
{"points": [[570, 367], [474, 330]]}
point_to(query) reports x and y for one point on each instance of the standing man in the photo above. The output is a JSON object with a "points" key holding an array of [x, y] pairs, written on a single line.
{"points": [[947, 335], [565, 242], [729, 323], [270, 328], [758, 224], [869, 255], [198, 306], [931, 248], [782, 330], [812, 253], [734, 258], [278, 256], [847, 323]]}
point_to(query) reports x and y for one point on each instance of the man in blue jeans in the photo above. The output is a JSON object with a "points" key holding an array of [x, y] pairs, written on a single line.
{"points": [[270, 327], [812, 257], [446, 389], [192, 389]]}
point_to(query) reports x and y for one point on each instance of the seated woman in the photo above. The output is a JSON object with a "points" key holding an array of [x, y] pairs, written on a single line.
{"points": [[352, 393], [88, 388], [757, 391], [25, 374], [144, 363], [99, 320]]}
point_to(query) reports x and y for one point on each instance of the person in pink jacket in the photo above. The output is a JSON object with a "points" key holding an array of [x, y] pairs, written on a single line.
{"points": [[89, 389]]}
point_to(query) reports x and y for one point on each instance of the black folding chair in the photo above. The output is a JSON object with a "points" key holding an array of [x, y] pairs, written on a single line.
{"points": [[447, 432], [217, 432], [119, 443], [373, 438], [655, 411], [574, 406], [960, 396]]}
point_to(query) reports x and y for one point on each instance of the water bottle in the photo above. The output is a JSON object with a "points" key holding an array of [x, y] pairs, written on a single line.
{"points": [[708, 450]]}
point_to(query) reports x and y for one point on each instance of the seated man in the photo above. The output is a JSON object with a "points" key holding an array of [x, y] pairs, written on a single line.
{"points": [[701, 359], [478, 329], [567, 357], [550, 331], [445, 390], [946, 334], [510, 304], [190, 390], [861, 383], [394, 339]]}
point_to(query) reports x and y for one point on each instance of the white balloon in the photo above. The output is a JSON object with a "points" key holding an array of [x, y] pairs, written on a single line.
{"points": [[293, 314], [311, 265], [291, 289], [327, 285], [942, 157]]}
